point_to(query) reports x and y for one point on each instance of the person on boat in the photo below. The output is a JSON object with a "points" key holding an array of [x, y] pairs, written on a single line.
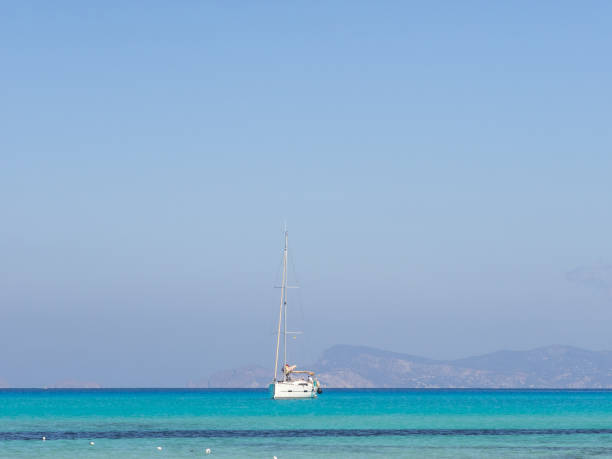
{"points": [[288, 369]]}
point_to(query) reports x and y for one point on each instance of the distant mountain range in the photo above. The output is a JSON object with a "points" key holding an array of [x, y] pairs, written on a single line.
{"points": [[357, 366], [67, 384], [72, 384]]}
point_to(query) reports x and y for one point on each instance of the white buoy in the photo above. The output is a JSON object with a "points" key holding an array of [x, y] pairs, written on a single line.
{"points": [[91, 443], [159, 448], [44, 438], [207, 451]]}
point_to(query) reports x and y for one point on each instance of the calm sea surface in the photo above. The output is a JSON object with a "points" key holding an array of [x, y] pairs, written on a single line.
{"points": [[340, 423]]}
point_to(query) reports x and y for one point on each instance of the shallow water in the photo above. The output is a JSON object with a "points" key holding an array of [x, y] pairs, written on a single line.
{"points": [[349, 423]]}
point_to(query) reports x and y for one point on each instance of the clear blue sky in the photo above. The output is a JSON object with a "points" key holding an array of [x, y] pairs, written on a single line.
{"points": [[445, 170]]}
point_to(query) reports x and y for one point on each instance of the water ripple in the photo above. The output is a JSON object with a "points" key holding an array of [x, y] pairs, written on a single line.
{"points": [[304, 433]]}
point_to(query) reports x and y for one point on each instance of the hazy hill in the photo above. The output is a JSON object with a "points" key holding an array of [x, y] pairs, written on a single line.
{"points": [[358, 366], [249, 376], [72, 384]]}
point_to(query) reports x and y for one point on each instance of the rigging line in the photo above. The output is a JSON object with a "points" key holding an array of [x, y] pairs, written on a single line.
{"points": [[305, 350], [280, 316], [279, 269], [275, 325], [277, 281], [292, 260], [297, 282]]}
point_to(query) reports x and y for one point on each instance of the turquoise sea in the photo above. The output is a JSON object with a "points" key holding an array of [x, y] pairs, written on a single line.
{"points": [[340, 423]]}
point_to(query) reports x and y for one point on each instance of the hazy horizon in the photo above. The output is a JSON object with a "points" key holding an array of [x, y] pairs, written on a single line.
{"points": [[444, 172], [200, 381]]}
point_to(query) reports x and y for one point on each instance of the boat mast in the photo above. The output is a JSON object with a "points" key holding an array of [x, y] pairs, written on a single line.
{"points": [[283, 303], [285, 297]]}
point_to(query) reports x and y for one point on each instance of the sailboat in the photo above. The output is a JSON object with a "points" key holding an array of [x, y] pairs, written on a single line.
{"points": [[292, 383]]}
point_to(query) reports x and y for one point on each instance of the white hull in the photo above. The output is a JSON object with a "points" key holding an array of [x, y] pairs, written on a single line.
{"points": [[293, 389]]}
